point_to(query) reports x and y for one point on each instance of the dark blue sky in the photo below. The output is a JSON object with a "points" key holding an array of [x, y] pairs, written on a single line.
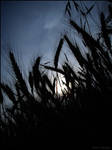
{"points": [[33, 28]]}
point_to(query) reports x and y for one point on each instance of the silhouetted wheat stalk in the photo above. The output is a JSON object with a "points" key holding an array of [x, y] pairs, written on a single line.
{"points": [[88, 90], [58, 53]]}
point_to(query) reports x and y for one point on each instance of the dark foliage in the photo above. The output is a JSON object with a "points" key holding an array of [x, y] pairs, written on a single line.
{"points": [[84, 110]]}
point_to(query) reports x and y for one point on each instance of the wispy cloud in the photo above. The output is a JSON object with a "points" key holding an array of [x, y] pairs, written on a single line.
{"points": [[51, 24]]}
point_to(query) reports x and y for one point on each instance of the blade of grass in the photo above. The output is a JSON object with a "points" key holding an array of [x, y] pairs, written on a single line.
{"points": [[58, 53]]}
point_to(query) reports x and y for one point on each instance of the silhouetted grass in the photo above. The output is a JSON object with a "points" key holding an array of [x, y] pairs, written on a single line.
{"points": [[86, 104], [58, 53]]}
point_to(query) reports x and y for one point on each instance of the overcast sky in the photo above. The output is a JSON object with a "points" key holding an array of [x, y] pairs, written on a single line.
{"points": [[32, 28]]}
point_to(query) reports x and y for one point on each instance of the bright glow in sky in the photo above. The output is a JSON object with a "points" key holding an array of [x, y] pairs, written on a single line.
{"points": [[33, 28], [60, 85]]}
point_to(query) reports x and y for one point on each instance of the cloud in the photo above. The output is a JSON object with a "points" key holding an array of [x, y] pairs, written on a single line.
{"points": [[51, 23]]}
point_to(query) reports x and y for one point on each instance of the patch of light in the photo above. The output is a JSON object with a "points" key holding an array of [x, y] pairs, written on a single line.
{"points": [[60, 87]]}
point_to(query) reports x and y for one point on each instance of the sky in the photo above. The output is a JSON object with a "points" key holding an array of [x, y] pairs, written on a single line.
{"points": [[31, 29]]}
